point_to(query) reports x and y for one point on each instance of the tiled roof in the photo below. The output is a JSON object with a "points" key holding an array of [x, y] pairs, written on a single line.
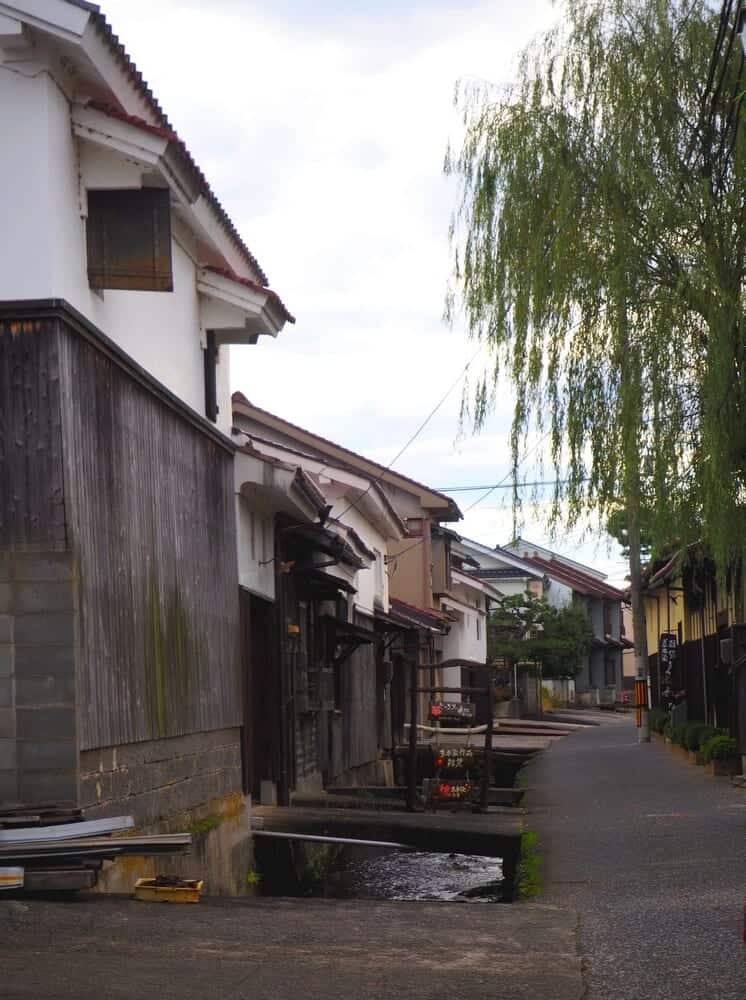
{"points": [[164, 127], [224, 272], [238, 397], [420, 617], [582, 583]]}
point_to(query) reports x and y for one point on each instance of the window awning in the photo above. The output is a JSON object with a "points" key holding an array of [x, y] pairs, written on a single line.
{"points": [[321, 586], [347, 637], [385, 623]]}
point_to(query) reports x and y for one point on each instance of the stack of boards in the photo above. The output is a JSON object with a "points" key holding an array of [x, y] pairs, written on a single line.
{"points": [[51, 849]]}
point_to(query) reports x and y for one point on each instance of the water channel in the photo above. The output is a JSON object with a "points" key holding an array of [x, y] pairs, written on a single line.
{"points": [[375, 873]]}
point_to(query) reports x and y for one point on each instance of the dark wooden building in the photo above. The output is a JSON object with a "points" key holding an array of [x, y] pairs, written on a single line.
{"points": [[119, 617]]}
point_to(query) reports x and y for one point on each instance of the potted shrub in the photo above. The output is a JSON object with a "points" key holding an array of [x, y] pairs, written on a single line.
{"points": [[677, 735], [721, 755], [697, 733], [657, 719]]}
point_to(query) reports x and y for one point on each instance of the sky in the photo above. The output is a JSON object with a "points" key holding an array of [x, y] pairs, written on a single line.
{"points": [[322, 127]]}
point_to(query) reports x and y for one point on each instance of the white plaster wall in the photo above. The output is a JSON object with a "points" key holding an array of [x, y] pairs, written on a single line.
{"points": [[558, 595], [27, 210], [43, 254], [462, 640], [510, 588], [255, 547], [365, 579]]}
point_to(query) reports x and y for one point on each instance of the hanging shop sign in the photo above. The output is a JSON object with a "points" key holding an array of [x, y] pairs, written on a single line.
{"points": [[443, 790], [667, 650], [441, 711], [454, 759]]}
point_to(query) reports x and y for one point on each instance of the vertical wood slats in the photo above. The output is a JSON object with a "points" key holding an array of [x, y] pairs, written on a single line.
{"points": [[152, 523], [32, 503]]}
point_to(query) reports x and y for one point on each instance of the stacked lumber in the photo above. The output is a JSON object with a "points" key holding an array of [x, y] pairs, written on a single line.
{"points": [[54, 849]]}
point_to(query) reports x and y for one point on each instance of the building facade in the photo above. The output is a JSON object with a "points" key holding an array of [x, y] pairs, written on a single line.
{"points": [[566, 582], [121, 290]]}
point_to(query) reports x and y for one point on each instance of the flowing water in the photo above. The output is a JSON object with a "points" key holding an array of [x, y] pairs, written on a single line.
{"points": [[413, 875]]}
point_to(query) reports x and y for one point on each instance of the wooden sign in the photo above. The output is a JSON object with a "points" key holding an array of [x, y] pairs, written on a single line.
{"points": [[667, 649], [462, 711], [454, 758], [451, 791]]}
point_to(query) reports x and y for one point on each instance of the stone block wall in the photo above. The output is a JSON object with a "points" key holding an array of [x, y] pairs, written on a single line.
{"points": [[38, 741], [158, 779]]}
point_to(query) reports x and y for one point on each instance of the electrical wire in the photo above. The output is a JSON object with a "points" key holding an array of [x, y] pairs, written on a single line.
{"points": [[374, 482]]}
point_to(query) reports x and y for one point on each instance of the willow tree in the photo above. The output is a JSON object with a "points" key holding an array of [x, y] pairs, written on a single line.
{"points": [[599, 254]]}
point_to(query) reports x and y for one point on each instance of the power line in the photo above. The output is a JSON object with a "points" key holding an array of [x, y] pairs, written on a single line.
{"points": [[412, 439], [507, 486], [505, 478]]}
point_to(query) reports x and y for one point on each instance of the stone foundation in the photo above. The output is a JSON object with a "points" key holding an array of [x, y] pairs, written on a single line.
{"points": [[38, 744], [187, 784], [157, 778]]}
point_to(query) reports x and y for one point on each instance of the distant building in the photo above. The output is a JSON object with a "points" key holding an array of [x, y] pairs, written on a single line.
{"points": [[566, 582]]}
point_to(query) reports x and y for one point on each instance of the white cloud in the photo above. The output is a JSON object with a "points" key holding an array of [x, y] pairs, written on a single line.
{"points": [[322, 127]]}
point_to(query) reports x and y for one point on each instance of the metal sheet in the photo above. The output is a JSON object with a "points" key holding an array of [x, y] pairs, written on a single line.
{"points": [[67, 831]]}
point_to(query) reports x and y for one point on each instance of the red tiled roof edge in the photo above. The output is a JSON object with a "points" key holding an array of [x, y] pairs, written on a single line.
{"points": [[576, 579], [438, 616], [224, 272]]}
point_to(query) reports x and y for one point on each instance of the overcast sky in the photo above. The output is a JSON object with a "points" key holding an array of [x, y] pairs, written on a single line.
{"points": [[322, 127]]}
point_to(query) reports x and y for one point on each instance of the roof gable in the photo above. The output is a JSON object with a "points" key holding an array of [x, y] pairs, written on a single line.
{"points": [[103, 77], [441, 507]]}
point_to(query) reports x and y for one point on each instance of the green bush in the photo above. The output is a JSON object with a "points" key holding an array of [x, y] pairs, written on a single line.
{"points": [[696, 734], [667, 729], [677, 735], [657, 719], [720, 747]]}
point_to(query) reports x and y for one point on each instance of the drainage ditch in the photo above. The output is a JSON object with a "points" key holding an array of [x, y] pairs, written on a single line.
{"points": [[351, 872]]}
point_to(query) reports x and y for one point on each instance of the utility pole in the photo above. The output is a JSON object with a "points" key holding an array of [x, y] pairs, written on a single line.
{"points": [[631, 376], [638, 612]]}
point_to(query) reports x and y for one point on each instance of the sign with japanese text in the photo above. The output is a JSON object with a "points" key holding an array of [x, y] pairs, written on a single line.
{"points": [[451, 791], [448, 710], [455, 758]]}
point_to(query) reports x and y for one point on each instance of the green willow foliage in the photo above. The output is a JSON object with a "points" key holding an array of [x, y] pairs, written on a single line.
{"points": [[599, 251]]}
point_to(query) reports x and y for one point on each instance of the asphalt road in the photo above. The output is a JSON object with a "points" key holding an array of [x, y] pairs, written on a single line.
{"points": [[651, 852], [104, 948]]}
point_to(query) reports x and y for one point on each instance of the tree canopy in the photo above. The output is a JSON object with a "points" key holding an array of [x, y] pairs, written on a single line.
{"points": [[524, 627], [599, 252]]}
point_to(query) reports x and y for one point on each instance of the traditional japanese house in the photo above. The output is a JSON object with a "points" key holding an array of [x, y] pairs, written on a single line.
{"points": [[414, 623], [565, 581], [313, 538], [467, 596], [696, 638], [122, 284]]}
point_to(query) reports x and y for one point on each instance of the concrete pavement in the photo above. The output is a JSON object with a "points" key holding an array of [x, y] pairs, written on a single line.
{"points": [[651, 852], [103, 948]]}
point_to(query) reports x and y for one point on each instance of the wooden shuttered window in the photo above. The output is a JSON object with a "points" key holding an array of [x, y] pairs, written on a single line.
{"points": [[129, 240]]}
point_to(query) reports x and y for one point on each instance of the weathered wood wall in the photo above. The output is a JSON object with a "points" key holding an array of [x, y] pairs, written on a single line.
{"points": [[150, 518], [359, 700], [32, 505]]}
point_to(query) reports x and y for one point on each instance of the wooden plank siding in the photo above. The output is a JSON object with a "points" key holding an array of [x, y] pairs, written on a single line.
{"points": [[151, 520], [359, 717], [32, 503]]}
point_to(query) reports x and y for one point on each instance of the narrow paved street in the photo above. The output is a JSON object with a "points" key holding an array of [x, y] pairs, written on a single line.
{"points": [[651, 851], [100, 948]]}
